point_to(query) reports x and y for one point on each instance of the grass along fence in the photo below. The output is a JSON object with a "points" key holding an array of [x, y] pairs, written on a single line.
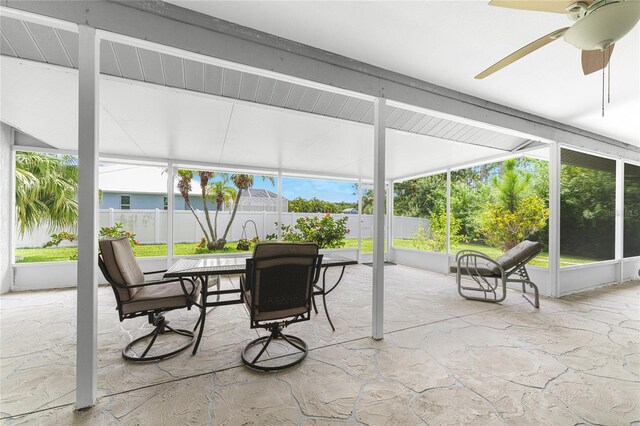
{"points": [[53, 254]]}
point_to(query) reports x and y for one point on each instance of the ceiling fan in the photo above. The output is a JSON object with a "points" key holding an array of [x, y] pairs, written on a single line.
{"points": [[598, 25]]}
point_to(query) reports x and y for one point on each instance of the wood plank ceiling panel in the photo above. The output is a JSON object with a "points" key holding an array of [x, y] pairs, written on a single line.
{"points": [[152, 66], [411, 122], [249, 87], [6, 48], [127, 57], [213, 79], [49, 44], [280, 93], [323, 103], [108, 62], [231, 80], [336, 105], [70, 43], [265, 90], [360, 110], [173, 71], [294, 99], [20, 39], [310, 99], [194, 75], [348, 108]]}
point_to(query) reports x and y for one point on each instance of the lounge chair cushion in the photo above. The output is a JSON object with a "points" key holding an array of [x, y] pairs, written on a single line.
{"points": [[480, 268], [161, 296], [517, 254], [508, 260], [121, 265]]}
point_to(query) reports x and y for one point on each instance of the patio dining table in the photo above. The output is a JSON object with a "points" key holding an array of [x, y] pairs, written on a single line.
{"points": [[203, 268]]}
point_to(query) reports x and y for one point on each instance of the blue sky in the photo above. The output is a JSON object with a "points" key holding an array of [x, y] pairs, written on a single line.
{"points": [[333, 191]]}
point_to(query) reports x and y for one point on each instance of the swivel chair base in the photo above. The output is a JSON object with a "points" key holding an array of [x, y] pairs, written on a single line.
{"points": [[276, 333], [161, 328]]}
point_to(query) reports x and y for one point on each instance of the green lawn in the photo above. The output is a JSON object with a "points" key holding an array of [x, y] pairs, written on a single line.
{"points": [[53, 254]]}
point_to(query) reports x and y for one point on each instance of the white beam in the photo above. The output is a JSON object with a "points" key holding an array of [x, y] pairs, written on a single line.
{"points": [[359, 220], [88, 148], [619, 239], [171, 173], [378, 217], [554, 219], [389, 220], [279, 208], [448, 235]]}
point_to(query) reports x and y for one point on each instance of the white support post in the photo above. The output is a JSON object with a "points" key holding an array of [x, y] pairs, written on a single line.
{"points": [[619, 239], [379, 130], [112, 217], [359, 230], [389, 217], [554, 219], [448, 236], [88, 149], [279, 211], [170, 212]]}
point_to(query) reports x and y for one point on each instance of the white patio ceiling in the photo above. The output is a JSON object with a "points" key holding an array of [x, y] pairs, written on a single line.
{"points": [[158, 122]]}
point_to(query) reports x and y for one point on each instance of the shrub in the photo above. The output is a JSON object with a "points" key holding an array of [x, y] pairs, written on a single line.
{"points": [[434, 237], [505, 229], [326, 231], [112, 232]]}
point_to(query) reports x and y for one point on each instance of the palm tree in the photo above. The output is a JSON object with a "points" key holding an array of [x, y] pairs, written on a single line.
{"points": [[184, 186], [221, 194], [46, 186]]}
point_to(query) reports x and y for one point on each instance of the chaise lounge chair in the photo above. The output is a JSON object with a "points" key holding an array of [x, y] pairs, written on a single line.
{"points": [[490, 277]]}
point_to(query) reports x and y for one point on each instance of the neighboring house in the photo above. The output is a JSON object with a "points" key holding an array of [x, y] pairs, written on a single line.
{"points": [[129, 187]]}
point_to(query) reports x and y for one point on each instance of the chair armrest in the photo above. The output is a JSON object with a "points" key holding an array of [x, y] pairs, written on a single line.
{"points": [[473, 257], [156, 282], [462, 252], [155, 272]]}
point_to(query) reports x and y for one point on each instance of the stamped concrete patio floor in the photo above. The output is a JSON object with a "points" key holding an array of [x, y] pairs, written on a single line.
{"points": [[443, 360]]}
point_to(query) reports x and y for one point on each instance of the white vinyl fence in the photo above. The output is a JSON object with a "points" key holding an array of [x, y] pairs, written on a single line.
{"points": [[150, 226]]}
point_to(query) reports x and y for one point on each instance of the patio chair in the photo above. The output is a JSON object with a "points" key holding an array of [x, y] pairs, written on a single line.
{"points": [[277, 290], [135, 297], [490, 277]]}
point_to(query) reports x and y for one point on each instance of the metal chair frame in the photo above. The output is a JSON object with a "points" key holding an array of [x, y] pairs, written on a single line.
{"points": [[155, 317], [468, 259], [277, 326]]}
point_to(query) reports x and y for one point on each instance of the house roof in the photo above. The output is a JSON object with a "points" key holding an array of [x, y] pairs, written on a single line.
{"points": [[134, 179]]}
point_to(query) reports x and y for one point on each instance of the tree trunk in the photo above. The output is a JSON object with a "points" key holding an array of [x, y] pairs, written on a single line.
{"points": [[214, 235], [204, 231], [233, 214]]}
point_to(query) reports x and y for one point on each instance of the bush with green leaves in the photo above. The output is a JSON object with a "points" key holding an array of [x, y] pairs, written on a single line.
{"points": [[505, 228], [114, 231], [434, 236], [326, 231]]}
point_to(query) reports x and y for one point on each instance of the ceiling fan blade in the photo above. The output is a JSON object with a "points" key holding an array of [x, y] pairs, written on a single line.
{"points": [[554, 6], [518, 54], [592, 60]]}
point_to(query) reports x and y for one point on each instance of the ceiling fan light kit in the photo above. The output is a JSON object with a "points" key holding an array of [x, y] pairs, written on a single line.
{"points": [[599, 24], [604, 23]]}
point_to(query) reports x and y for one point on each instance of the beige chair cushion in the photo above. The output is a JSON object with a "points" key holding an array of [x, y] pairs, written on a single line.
{"points": [[508, 260], [481, 268], [121, 265], [518, 254], [161, 296]]}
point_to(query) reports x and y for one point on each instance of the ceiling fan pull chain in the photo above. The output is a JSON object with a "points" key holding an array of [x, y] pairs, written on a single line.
{"points": [[609, 81], [603, 83]]}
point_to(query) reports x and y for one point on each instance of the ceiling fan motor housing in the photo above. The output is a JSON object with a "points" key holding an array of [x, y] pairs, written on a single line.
{"points": [[604, 25]]}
